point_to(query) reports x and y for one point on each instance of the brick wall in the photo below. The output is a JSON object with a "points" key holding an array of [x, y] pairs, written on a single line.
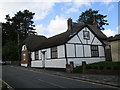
{"points": [[25, 59]]}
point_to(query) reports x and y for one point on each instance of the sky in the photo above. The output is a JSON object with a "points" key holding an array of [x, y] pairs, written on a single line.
{"points": [[51, 15]]}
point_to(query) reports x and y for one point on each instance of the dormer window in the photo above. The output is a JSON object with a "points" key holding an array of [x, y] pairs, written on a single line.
{"points": [[86, 35]]}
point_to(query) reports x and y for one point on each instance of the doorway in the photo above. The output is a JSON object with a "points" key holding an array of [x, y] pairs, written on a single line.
{"points": [[43, 61]]}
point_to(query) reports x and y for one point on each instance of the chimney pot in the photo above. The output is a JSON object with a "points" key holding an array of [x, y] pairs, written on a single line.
{"points": [[69, 22]]}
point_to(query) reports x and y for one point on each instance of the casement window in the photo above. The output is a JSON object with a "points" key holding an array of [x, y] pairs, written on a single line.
{"points": [[86, 35], [54, 52], [24, 47], [94, 51], [36, 55]]}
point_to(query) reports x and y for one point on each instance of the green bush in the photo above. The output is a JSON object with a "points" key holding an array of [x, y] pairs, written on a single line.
{"points": [[116, 68], [88, 67], [101, 67], [78, 69], [10, 51], [108, 68], [105, 65], [95, 67]]}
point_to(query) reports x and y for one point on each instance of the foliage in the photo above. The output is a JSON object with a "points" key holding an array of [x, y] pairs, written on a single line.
{"points": [[8, 33], [78, 69], [91, 17], [16, 28], [21, 24], [105, 65], [10, 51]]}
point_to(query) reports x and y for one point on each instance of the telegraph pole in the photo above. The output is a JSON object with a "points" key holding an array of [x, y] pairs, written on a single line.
{"points": [[18, 33], [18, 46]]}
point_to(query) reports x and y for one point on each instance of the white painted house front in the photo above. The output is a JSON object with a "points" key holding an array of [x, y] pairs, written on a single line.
{"points": [[79, 43]]}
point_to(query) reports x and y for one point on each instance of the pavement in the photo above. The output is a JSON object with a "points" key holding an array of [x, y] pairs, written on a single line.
{"points": [[110, 80]]}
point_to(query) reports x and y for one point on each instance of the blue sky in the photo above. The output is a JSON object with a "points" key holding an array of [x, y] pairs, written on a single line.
{"points": [[51, 17]]}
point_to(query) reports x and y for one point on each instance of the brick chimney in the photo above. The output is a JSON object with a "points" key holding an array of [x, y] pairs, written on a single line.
{"points": [[69, 22]]}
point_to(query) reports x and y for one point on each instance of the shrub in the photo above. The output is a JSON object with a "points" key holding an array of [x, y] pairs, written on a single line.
{"points": [[88, 67], [116, 68], [108, 68], [78, 69], [95, 67], [101, 67]]}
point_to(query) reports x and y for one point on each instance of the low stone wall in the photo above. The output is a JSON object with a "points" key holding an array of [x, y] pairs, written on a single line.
{"points": [[12, 62], [69, 68]]}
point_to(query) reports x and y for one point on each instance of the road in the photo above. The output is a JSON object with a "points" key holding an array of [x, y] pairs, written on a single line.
{"points": [[21, 78]]}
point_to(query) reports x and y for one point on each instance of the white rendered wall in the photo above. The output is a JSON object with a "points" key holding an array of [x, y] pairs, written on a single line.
{"points": [[40, 56], [79, 50], [101, 51], [70, 48], [36, 63], [33, 55], [61, 51], [48, 53], [75, 39], [78, 61], [87, 50], [55, 63], [25, 65], [96, 42]]}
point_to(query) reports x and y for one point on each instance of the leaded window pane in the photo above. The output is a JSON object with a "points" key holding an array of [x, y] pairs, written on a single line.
{"points": [[94, 51], [54, 52], [36, 55]]}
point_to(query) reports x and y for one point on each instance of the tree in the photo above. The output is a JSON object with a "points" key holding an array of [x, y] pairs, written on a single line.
{"points": [[21, 25], [23, 21], [8, 33], [10, 51], [91, 17]]}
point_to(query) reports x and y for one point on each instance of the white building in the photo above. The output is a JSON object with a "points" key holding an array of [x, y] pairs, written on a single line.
{"points": [[79, 43]]}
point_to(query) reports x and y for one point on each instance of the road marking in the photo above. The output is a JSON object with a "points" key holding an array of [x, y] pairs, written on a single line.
{"points": [[51, 83], [66, 77], [8, 86]]}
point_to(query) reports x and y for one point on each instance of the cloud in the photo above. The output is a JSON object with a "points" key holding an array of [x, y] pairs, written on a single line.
{"points": [[111, 7], [72, 10], [41, 9], [40, 29], [110, 32], [78, 3], [118, 29], [56, 26], [107, 1], [35, 0]]}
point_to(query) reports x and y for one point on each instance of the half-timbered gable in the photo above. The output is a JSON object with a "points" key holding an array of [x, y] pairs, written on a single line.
{"points": [[79, 43]]}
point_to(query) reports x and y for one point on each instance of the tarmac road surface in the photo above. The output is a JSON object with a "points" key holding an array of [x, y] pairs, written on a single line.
{"points": [[21, 78]]}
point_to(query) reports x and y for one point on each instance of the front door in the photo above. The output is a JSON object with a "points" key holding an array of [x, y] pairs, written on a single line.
{"points": [[43, 61]]}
